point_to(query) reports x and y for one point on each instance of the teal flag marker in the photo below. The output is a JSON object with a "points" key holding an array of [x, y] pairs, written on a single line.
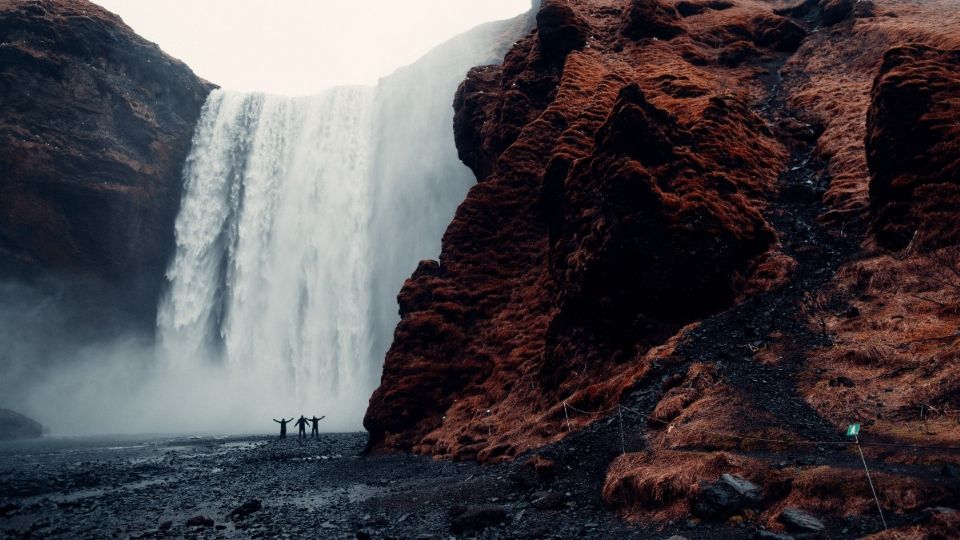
{"points": [[853, 430]]}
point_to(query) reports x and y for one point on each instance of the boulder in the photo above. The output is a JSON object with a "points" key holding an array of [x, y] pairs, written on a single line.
{"points": [[800, 521], [726, 497], [941, 510], [14, 425]]}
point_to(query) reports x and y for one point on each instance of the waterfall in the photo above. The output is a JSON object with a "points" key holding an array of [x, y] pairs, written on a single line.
{"points": [[301, 217], [272, 265]]}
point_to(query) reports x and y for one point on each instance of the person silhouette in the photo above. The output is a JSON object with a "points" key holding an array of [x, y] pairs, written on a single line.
{"points": [[314, 431], [283, 426], [302, 424]]}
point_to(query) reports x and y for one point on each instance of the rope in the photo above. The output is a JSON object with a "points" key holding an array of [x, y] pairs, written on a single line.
{"points": [[734, 436], [605, 411], [749, 437], [872, 490]]}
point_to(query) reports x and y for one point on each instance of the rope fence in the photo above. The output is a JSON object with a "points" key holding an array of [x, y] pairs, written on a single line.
{"points": [[856, 440], [620, 408], [670, 425]]}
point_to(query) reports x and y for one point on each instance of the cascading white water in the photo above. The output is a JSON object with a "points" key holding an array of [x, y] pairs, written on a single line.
{"points": [[272, 266], [301, 218]]}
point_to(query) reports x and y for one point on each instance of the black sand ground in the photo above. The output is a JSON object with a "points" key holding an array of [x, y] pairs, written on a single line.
{"points": [[151, 487]]}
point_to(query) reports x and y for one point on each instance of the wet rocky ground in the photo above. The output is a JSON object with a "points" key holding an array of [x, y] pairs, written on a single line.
{"points": [[240, 487]]}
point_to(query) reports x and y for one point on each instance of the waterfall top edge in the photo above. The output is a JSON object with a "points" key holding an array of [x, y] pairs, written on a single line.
{"points": [[320, 93]]}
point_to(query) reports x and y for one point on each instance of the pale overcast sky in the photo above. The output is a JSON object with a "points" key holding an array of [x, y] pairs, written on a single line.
{"points": [[302, 46]]}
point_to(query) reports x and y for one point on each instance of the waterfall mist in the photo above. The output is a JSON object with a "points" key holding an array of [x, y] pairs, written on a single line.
{"points": [[301, 218]]}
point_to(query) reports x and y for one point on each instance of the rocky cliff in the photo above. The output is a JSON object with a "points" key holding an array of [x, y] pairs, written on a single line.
{"points": [[95, 127], [14, 425], [680, 227]]}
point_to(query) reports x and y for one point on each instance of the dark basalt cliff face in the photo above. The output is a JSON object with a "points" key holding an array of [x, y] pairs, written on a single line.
{"points": [[95, 126], [674, 214]]}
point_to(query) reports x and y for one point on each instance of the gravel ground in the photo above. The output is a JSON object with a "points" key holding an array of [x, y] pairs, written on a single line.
{"points": [[152, 487]]}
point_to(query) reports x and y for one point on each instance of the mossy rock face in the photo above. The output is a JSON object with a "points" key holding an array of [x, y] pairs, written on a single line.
{"points": [[14, 425]]}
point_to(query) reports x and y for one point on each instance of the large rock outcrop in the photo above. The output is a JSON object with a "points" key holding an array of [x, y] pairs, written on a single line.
{"points": [[620, 196], [95, 126], [663, 277], [913, 147]]}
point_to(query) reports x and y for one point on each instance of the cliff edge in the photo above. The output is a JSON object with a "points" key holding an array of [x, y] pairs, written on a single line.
{"points": [[94, 131]]}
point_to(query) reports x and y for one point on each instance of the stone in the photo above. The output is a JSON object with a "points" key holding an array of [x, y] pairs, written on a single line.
{"points": [[475, 518], [742, 486], [726, 497], [550, 500], [930, 512], [798, 520]]}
